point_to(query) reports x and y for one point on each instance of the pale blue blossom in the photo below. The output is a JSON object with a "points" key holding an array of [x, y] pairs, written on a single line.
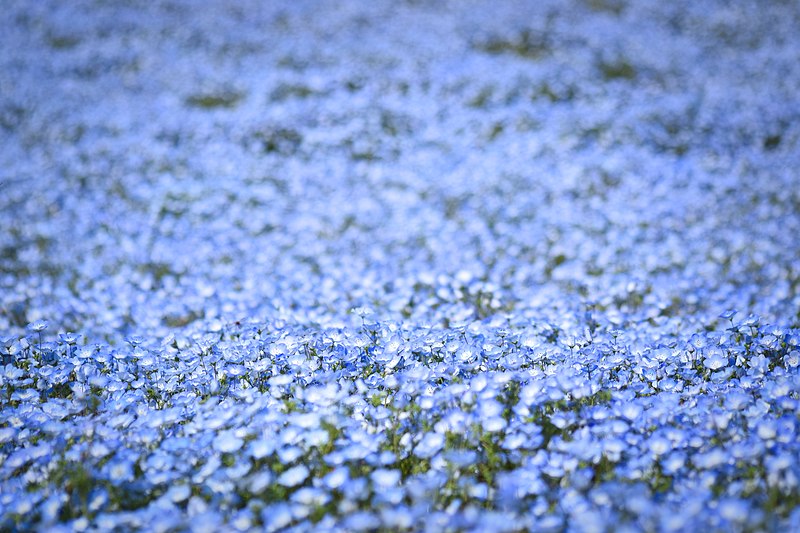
{"points": [[385, 478], [429, 445], [294, 476], [228, 442]]}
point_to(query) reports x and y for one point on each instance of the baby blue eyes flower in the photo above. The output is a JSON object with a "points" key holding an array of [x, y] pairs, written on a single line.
{"points": [[779, 463], [361, 521], [122, 470], [466, 354], [715, 360], [228, 442], [751, 321], [289, 454], [659, 446], [18, 459], [38, 326], [336, 478], [277, 517], [673, 463], [461, 458], [385, 478], [398, 518], [734, 510], [631, 411], [711, 459], [362, 311], [494, 424], [260, 448], [429, 446], [259, 481], [70, 338], [721, 419], [767, 430], [135, 340], [294, 476], [7, 434]]}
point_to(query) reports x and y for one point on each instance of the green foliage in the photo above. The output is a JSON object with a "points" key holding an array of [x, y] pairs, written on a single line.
{"points": [[215, 100]]}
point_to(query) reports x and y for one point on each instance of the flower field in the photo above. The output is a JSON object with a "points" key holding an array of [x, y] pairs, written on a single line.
{"points": [[410, 265]]}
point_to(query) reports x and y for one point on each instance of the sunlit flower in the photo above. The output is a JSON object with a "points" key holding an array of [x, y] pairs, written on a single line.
{"points": [[385, 478], [336, 478], [294, 476], [430, 445], [735, 510], [38, 326]]}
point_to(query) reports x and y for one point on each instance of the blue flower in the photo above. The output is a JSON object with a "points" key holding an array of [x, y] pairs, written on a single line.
{"points": [[384, 478], [38, 326], [294, 476], [429, 445]]}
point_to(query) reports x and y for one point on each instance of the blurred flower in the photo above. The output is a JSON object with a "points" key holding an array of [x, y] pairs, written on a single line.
{"points": [[37, 326], [429, 446], [294, 476], [227, 442]]}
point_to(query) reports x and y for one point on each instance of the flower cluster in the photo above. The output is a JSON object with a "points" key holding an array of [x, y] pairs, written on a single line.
{"points": [[520, 424], [411, 265]]}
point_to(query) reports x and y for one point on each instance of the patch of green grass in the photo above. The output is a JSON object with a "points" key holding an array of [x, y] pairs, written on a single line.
{"points": [[771, 142], [620, 69], [62, 42], [411, 465], [286, 91], [285, 141], [482, 99], [215, 100], [493, 458], [528, 44], [614, 7]]}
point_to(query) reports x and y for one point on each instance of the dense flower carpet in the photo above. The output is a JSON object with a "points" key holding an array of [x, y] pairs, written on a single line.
{"points": [[400, 265]]}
